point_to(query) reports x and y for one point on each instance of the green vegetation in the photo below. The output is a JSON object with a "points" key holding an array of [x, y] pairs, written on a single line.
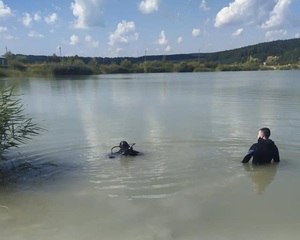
{"points": [[15, 127], [282, 54]]}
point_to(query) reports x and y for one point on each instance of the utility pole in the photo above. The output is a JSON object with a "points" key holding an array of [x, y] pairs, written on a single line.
{"points": [[145, 61]]}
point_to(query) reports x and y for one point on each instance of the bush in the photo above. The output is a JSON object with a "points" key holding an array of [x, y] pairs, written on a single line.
{"points": [[61, 70], [2, 74], [183, 67], [17, 65]]}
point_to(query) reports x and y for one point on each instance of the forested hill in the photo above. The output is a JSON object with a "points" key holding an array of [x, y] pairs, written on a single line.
{"points": [[286, 51]]}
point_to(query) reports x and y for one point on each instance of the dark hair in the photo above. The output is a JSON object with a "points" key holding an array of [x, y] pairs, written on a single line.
{"points": [[124, 145], [266, 131]]}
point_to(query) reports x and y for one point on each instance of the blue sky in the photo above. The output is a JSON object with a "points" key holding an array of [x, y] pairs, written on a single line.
{"points": [[133, 28]]}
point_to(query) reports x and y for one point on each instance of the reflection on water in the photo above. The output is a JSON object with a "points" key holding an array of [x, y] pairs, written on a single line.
{"points": [[261, 175], [193, 130]]}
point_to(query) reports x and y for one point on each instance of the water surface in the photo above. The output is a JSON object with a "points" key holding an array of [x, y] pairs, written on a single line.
{"points": [[193, 130]]}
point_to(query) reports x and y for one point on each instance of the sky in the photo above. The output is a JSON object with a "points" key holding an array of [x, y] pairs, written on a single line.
{"points": [[134, 28]]}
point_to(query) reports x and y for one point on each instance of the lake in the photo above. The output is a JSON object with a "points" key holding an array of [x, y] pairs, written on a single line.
{"points": [[193, 129]]}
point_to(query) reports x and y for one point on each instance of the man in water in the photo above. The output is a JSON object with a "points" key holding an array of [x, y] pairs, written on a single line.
{"points": [[264, 151], [124, 149]]}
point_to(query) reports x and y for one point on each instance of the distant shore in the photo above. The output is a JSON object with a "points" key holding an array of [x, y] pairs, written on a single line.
{"points": [[19, 69]]}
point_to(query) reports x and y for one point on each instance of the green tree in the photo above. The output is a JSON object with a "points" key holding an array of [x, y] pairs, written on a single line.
{"points": [[15, 127], [74, 60], [93, 62], [164, 60], [9, 56], [21, 59], [183, 67], [16, 61], [54, 58], [126, 64], [166, 65]]}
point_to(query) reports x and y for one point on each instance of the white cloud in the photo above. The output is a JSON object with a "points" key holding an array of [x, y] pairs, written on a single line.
{"points": [[238, 32], [266, 14], [51, 19], [88, 13], [278, 15], [148, 6], [297, 35], [168, 48], [3, 29], [236, 12], [74, 39], [207, 21], [275, 34], [35, 34], [162, 39], [90, 41], [26, 20], [5, 11], [196, 32], [88, 38], [203, 6], [240, 12], [37, 17], [180, 40], [124, 33], [116, 51], [7, 37]]}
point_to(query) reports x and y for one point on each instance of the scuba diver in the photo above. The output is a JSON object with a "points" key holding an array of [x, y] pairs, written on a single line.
{"points": [[124, 149]]}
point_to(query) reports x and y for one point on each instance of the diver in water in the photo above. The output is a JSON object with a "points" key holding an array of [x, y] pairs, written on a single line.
{"points": [[124, 149], [264, 151]]}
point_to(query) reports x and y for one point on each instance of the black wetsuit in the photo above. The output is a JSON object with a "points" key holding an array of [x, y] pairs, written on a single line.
{"points": [[262, 152], [129, 152]]}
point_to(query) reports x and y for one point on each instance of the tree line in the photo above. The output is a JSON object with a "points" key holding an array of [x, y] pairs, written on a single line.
{"points": [[281, 54]]}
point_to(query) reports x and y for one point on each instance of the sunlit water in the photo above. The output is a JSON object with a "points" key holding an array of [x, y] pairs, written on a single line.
{"points": [[192, 129]]}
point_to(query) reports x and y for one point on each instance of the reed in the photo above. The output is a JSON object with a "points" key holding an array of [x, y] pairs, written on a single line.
{"points": [[15, 126]]}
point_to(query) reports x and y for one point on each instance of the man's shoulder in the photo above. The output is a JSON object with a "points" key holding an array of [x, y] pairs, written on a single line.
{"points": [[254, 145]]}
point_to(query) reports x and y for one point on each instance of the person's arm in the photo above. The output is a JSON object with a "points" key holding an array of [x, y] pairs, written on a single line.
{"points": [[249, 154], [276, 157]]}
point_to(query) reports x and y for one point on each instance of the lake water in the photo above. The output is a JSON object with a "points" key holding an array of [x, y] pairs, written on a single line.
{"points": [[193, 129]]}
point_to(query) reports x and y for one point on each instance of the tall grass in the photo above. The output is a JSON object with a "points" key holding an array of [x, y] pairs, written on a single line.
{"points": [[15, 126]]}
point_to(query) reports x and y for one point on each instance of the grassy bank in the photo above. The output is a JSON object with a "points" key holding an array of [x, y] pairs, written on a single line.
{"points": [[19, 69]]}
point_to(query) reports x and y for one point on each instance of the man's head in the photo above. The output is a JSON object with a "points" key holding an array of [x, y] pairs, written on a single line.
{"points": [[124, 145], [264, 133]]}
